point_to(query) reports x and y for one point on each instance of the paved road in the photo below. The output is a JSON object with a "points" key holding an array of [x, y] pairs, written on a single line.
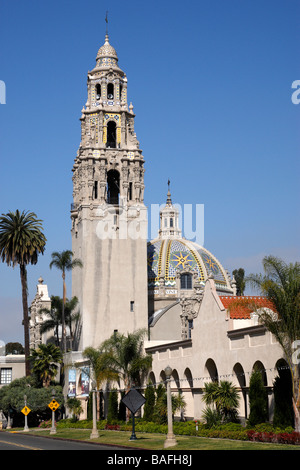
{"points": [[18, 441]]}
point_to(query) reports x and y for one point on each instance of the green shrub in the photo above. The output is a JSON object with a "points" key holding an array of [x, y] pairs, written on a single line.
{"points": [[150, 402], [257, 399], [112, 415]]}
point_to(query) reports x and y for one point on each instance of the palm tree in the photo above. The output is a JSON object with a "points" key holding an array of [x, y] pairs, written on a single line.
{"points": [[54, 315], [53, 320], [21, 241], [45, 359], [64, 262], [280, 284], [126, 357], [71, 316], [224, 396], [99, 368]]}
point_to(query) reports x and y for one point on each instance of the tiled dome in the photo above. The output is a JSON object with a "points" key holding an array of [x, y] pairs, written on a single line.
{"points": [[167, 257], [107, 50]]}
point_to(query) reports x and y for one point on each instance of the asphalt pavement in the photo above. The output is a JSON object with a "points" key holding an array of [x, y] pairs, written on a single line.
{"points": [[23, 441]]}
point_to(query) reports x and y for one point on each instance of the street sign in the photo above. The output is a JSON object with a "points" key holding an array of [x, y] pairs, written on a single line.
{"points": [[133, 400], [53, 405], [26, 410]]}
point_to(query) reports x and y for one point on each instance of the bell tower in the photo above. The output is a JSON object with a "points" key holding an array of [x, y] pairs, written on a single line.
{"points": [[109, 221]]}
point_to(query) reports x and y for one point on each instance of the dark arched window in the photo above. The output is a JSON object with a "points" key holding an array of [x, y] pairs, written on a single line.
{"points": [[98, 91], [111, 135], [186, 281], [110, 91], [113, 187]]}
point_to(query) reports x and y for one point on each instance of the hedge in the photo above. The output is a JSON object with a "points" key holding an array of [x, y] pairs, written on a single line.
{"points": [[260, 433]]}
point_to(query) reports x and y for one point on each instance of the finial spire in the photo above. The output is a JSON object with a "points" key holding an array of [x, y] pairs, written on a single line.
{"points": [[169, 201]]}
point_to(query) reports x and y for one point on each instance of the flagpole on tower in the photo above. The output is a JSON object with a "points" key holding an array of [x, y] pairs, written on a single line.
{"points": [[106, 21]]}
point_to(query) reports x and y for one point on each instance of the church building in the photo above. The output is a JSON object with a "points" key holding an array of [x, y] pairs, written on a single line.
{"points": [[172, 287]]}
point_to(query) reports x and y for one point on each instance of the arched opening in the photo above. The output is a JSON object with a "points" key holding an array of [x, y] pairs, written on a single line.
{"points": [[189, 377], [211, 370], [240, 381], [186, 281], [113, 187], [259, 366], [283, 396], [175, 378], [151, 378], [110, 91], [98, 91], [239, 375], [163, 377], [111, 135]]}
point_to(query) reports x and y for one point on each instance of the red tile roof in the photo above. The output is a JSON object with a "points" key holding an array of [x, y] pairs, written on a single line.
{"points": [[240, 307]]}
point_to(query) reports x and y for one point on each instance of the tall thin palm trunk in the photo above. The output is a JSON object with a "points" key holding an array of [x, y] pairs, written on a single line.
{"points": [[64, 342], [23, 275]]}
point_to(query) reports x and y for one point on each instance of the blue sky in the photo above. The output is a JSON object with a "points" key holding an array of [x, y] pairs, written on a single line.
{"points": [[210, 82]]}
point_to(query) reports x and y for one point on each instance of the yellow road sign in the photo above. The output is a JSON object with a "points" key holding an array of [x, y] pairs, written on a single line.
{"points": [[26, 410], [53, 405]]}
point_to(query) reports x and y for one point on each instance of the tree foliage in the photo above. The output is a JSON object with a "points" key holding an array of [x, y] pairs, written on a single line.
{"points": [[150, 402], [14, 348], [239, 275], [64, 261], [257, 399], [112, 414], [126, 358], [21, 241], [224, 399], [280, 284], [45, 360], [74, 405], [160, 414], [12, 399], [54, 315]]}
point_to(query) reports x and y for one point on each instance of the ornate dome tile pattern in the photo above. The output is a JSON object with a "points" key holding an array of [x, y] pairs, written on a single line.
{"points": [[179, 257], [107, 50], [168, 257], [154, 254]]}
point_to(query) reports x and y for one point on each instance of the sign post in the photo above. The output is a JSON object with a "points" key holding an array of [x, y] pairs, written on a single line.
{"points": [[53, 405], [25, 412], [133, 400]]}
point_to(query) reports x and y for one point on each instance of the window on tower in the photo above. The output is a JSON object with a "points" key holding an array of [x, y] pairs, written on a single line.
{"points": [[110, 91], [111, 135], [130, 191], [113, 187], [95, 190], [191, 326], [98, 91]]}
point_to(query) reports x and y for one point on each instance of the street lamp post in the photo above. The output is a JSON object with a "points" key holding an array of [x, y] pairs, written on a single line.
{"points": [[26, 428], [53, 428], [170, 440], [94, 433]]}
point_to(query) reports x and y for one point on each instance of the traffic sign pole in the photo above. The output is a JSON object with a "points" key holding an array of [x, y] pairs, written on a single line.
{"points": [[53, 405], [53, 428], [133, 436], [25, 411]]}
